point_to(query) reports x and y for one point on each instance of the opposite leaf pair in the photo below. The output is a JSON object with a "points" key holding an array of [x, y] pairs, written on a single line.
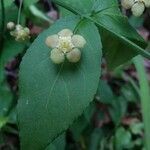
{"points": [[137, 6], [65, 45]]}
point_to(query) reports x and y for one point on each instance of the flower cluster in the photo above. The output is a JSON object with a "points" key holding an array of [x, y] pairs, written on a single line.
{"points": [[65, 46], [20, 33], [137, 6]]}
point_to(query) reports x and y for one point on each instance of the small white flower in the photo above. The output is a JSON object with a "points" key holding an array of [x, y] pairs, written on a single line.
{"points": [[65, 45], [137, 6], [20, 33], [10, 25], [138, 9]]}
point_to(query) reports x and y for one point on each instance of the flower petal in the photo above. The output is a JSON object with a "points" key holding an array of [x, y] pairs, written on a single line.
{"points": [[138, 9], [65, 32], [57, 56], [52, 41], [78, 41], [74, 56]]}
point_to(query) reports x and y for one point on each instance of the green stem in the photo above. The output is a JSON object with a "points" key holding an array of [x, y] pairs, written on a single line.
{"points": [[19, 12], [78, 25], [145, 97], [3, 25], [132, 82]]}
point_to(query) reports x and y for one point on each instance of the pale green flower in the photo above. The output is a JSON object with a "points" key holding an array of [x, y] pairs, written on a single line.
{"points": [[137, 6], [138, 9], [20, 33], [65, 45]]}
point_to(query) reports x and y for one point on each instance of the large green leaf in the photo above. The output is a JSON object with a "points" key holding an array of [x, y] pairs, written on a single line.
{"points": [[120, 40], [52, 96]]}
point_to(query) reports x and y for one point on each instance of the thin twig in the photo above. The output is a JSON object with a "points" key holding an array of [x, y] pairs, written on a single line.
{"points": [[19, 12]]}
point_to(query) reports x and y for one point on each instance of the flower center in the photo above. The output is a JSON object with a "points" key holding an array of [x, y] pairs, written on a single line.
{"points": [[65, 44]]}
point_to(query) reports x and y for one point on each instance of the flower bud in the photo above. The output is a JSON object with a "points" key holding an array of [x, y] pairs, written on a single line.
{"points": [[138, 9], [10, 25], [19, 27], [20, 33], [74, 56], [127, 4]]}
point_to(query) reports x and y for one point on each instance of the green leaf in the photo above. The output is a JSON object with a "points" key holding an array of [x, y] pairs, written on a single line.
{"points": [[5, 103], [120, 40], [145, 96], [117, 109], [27, 3], [7, 3], [110, 6], [116, 105], [129, 93], [58, 144], [38, 16], [52, 96], [3, 121], [82, 6], [78, 127], [11, 49], [137, 128], [122, 139], [136, 22], [96, 136], [104, 93]]}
